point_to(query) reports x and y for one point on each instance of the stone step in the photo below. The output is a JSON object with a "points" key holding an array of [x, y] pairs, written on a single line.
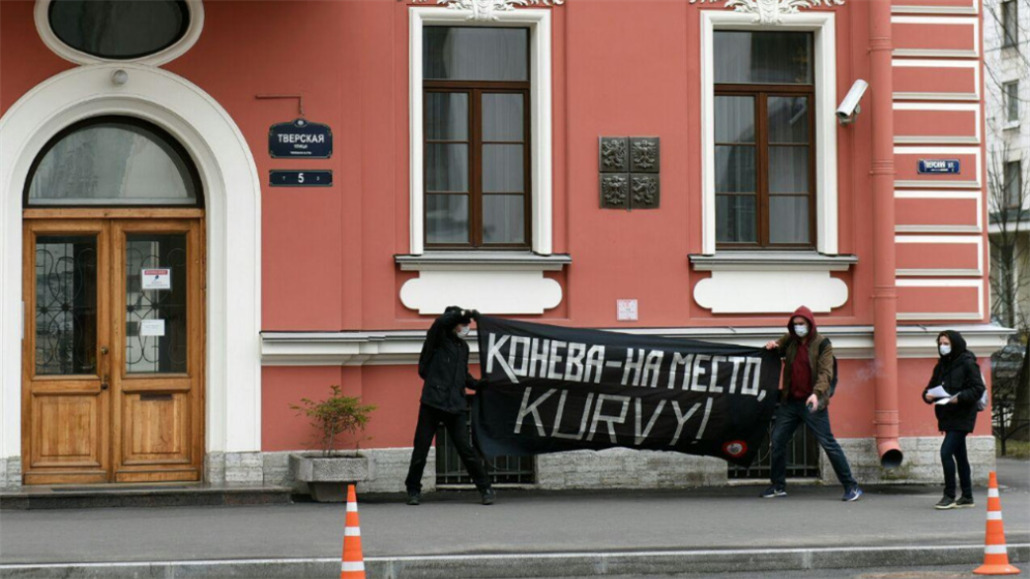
{"points": [[141, 495]]}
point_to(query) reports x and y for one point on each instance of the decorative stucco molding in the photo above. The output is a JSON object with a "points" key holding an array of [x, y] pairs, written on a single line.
{"points": [[486, 10], [771, 11]]}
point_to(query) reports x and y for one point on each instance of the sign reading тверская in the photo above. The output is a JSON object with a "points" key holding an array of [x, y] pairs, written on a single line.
{"points": [[300, 139]]}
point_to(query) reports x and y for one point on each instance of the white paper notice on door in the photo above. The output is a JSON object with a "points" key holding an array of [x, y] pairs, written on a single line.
{"points": [[155, 279], [152, 328]]}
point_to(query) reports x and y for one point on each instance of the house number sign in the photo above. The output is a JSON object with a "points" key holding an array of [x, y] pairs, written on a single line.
{"points": [[280, 178], [300, 139]]}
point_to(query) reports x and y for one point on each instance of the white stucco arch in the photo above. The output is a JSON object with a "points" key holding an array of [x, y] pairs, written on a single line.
{"points": [[233, 214]]}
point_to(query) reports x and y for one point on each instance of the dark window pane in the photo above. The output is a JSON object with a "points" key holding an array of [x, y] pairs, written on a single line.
{"points": [[735, 219], [1012, 101], [155, 319], [502, 117], [119, 29], [1010, 23], [788, 219], [1013, 184], [503, 168], [788, 170], [734, 119], [788, 119], [763, 57], [504, 219], [461, 53], [447, 219], [734, 169], [447, 167], [447, 116], [66, 305], [113, 163]]}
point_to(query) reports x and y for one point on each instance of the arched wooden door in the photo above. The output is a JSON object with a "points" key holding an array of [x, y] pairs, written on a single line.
{"points": [[114, 342]]}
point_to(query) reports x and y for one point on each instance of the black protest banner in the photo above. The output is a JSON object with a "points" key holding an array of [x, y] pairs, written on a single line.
{"points": [[553, 389]]}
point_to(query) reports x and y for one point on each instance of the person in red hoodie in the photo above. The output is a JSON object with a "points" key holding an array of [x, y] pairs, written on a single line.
{"points": [[804, 398]]}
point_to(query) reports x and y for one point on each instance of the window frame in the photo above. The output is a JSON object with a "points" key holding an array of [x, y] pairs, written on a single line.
{"points": [[475, 91], [1007, 197], [41, 17], [1010, 96], [538, 21], [1009, 22], [761, 93], [823, 26], [167, 138]]}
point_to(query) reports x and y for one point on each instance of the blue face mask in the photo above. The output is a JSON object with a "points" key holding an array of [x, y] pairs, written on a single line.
{"points": [[463, 331], [801, 330], [945, 349]]}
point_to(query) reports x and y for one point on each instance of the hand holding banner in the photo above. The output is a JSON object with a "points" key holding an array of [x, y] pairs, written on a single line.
{"points": [[554, 389]]}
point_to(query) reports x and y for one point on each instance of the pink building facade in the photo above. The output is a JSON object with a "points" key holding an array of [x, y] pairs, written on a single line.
{"points": [[666, 167]]}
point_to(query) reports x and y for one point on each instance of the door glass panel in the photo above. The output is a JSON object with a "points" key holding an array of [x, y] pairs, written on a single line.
{"points": [[66, 305], [155, 303]]}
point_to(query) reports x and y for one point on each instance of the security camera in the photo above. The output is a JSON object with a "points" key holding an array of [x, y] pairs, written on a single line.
{"points": [[849, 109]]}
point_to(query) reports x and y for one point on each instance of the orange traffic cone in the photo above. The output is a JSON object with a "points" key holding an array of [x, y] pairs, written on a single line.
{"points": [[996, 556], [353, 560]]}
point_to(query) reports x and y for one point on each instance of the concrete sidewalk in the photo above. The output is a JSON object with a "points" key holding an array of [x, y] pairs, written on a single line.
{"points": [[812, 525]]}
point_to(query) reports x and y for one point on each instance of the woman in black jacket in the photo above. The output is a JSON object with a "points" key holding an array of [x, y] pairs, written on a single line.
{"points": [[959, 374]]}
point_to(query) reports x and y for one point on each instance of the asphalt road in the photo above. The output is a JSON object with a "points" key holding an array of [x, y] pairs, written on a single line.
{"points": [[521, 522], [964, 572]]}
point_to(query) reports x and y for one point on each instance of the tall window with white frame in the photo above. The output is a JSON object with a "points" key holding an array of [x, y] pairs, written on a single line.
{"points": [[1009, 23], [764, 140], [1011, 92], [476, 137]]}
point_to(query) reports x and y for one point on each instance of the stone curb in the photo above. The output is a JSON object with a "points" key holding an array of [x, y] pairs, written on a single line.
{"points": [[530, 565]]}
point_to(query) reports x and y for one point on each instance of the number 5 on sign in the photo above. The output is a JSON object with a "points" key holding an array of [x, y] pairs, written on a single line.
{"points": [[310, 178]]}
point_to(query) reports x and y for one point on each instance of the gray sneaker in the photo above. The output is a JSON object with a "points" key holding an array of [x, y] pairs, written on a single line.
{"points": [[414, 499], [945, 503], [488, 496], [774, 492]]}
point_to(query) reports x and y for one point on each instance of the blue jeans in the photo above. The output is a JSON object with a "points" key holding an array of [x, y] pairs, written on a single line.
{"points": [[954, 445], [789, 416]]}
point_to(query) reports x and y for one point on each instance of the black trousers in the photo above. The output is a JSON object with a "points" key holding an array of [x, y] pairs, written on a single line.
{"points": [[954, 445], [457, 429]]}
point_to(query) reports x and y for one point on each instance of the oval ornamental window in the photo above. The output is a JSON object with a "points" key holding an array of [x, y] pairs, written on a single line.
{"points": [[113, 161], [119, 29]]}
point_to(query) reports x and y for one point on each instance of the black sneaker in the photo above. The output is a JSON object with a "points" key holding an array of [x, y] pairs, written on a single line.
{"points": [[414, 499], [488, 496], [946, 503], [774, 492], [964, 503]]}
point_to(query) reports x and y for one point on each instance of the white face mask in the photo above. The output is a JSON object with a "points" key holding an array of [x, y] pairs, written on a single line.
{"points": [[463, 331], [801, 330], [945, 349]]}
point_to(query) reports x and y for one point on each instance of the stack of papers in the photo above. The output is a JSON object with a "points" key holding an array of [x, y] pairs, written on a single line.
{"points": [[941, 395]]}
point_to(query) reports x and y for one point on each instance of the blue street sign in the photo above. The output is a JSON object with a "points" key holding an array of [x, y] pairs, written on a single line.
{"points": [[950, 166], [300, 139]]}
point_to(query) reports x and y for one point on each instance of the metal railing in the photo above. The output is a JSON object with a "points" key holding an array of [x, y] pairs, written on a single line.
{"points": [[802, 458]]}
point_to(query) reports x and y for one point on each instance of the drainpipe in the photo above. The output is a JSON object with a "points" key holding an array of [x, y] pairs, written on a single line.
{"points": [[885, 295]]}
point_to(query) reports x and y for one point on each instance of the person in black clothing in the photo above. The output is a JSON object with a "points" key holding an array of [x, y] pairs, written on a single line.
{"points": [[444, 366], [959, 374]]}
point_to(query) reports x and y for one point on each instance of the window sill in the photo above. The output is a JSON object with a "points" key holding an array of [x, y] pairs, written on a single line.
{"points": [[772, 261], [1011, 125], [482, 261]]}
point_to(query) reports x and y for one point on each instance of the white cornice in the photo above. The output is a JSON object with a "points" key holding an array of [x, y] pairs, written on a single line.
{"points": [[403, 347], [772, 11], [489, 10]]}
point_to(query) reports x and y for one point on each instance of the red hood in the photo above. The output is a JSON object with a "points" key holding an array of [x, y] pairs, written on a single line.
{"points": [[806, 313]]}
